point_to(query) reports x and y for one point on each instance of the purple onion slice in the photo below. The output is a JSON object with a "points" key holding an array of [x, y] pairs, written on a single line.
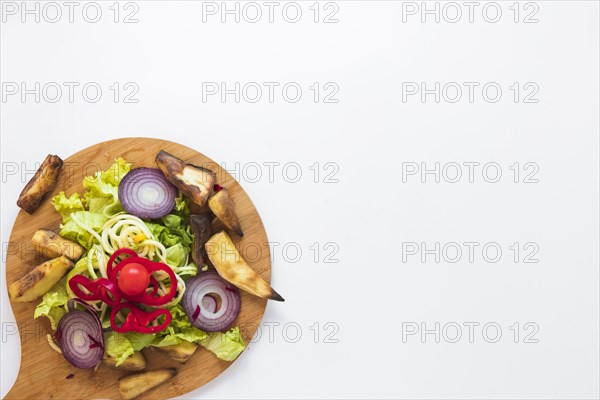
{"points": [[80, 339], [200, 302], [146, 193]]}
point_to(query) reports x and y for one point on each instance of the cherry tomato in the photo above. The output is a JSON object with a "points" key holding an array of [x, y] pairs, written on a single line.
{"points": [[133, 279]]}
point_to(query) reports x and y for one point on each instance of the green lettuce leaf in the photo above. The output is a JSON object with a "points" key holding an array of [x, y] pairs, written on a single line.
{"points": [[117, 346], [174, 232], [182, 207], [53, 302], [139, 341], [177, 255], [77, 227], [102, 189], [67, 205], [179, 319], [226, 346], [166, 338], [80, 216], [180, 329], [192, 335]]}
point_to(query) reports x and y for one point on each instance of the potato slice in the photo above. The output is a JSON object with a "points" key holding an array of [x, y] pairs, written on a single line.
{"points": [[201, 228], [135, 362], [179, 352], [41, 279], [51, 245], [42, 183], [222, 206], [132, 386], [234, 269], [196, 183]]}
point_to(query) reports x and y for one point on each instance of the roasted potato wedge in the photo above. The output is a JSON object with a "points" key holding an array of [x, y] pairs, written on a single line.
{"points": [[201, 228], [222, 206], [41, 279], [135, 362], [233, 268], [52, 245], [132, 386], [196, 183], [42, 183], [180, 352]]}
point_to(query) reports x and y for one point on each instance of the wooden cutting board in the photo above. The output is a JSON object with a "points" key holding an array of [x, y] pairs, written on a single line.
{"points": [[44, 373]]}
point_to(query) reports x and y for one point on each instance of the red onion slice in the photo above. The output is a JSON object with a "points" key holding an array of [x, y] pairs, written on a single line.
{"points": [[71, 307], [146, 193], [209, 303], [80, 339], [200, 304]]}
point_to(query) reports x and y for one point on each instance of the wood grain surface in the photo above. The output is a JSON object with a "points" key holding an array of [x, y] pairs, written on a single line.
{"points": [[45, 374]]}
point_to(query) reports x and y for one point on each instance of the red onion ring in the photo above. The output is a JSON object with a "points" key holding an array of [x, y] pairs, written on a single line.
{"points": [[80, 339], [210, 303], [200, 311], [71, 307], [146, 193]]}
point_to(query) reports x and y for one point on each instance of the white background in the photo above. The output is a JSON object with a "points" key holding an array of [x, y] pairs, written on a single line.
{"points": [[370, 294]]}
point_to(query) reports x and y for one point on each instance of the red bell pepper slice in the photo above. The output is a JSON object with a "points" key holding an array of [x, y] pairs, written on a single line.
{"points": [[99, 289], [114, 256], [139, 320], [104, 289], [151, 266]]}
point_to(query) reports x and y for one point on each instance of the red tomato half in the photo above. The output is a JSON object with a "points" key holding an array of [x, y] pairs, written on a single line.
{"points": [[133, 279]]}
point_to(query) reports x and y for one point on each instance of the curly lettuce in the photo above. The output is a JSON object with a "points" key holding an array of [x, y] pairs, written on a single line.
{"points": [[53, 304], [226, 346], [174, 232], [83, 218], [117, 346]]}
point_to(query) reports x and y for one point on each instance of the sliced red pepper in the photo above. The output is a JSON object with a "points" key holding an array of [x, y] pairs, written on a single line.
{"points": [[151, 266], [139, 320], [154, 284], [114, 256], [100, 289], [104, 289]]}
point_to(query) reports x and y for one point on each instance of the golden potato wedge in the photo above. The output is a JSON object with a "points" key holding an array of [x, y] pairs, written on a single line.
{"points": [[52, 245], [234, 269], [196, 183], [41, 279], [42, 183], [132, 386], [135, 362], [180, 352], [222, 206], [201, 228]]}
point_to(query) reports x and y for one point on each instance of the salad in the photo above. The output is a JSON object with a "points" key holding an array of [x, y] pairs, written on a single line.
{"points": [[132, 268]]}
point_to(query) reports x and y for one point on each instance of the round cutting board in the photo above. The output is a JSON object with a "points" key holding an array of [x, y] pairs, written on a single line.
{"points": [[44, 373]]}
